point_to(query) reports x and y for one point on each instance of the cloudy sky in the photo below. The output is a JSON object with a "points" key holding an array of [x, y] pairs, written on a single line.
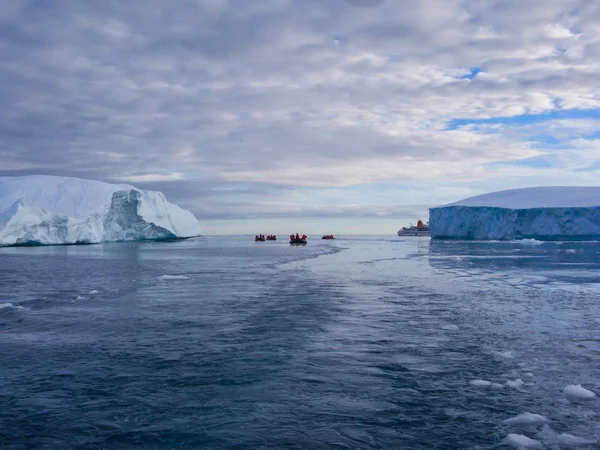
{"points": [[321, 116]]}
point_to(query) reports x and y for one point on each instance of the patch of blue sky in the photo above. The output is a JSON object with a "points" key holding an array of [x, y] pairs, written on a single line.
{"points": [[537, 162], [527, 119], [545, 141], [471, 75]]}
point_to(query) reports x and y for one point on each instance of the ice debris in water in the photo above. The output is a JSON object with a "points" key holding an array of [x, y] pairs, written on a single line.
{"points": [[10, 305], [576, 392], [496, 386], [450, 327], [526, 419], [555, 441], [480, 384], [549, 437], [518, 383], [80, 297], [506, 354], [93, 292], [521, 441], [569, 439], [173, 277], [530, 242]]}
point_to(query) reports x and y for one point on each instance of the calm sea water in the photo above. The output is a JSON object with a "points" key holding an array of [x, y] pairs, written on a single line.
{"points": [[361, 342]]}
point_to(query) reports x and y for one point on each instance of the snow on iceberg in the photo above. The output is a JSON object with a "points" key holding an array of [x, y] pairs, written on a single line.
{"points": [[49, 210], [542, 213]]}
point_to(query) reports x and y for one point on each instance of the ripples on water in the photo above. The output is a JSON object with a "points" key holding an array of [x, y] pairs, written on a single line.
{"points": [[361, 342]]}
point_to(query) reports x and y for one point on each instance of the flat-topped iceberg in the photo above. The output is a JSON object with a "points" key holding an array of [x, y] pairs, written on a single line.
{"points": [[543, 213], [49, 210]]}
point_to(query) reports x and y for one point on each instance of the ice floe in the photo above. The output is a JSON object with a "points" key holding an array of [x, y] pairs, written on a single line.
{"points": [[521, 441], [517, 384], [526, 418], [480, 384], [173, 277], [576, 392]]}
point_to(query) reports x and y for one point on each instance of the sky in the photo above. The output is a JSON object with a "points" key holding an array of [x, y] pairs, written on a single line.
{"points": [[309, 116]]}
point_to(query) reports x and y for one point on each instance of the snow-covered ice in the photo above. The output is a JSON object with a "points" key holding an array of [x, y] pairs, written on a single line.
{"points": [[577, 392], [521, 441], [47, 210], [526, 419], [541, 213], [517, 384], [480, 384], [571, 440], [10, 305], [173, 277]]}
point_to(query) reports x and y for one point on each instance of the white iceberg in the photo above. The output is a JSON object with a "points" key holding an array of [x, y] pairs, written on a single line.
{"points": [[542, 213], [49, 210]]}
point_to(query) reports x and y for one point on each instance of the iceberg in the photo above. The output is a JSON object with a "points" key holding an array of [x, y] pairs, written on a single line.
{"points": [[542, 213], [50, 210]]}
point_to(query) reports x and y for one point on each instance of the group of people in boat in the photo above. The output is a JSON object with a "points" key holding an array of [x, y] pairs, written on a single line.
{"points": [[294, 237], [262, 238], [328, 236]]}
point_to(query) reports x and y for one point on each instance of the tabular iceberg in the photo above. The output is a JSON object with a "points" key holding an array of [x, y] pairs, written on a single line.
{"points": [[543, 213], [49, 210]]}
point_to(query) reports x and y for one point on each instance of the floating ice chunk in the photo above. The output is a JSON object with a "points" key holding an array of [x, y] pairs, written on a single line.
{"points": [[506, 354], [10, 305], [173, 277], [569, 439], [93, 292], [526, 419], [576, 392], [518, 383], [480, 384], [521, 441], [570, 250], [496, 386], [450, 327], [528, 374], [549, 437], [530, 242], [80, 297]]}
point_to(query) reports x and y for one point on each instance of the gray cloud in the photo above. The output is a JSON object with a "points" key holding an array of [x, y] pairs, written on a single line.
{"points": [[281, 96]]}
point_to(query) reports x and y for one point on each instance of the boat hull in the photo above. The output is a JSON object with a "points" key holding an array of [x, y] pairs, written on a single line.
{"points": [[297, 241], [414, 233]]}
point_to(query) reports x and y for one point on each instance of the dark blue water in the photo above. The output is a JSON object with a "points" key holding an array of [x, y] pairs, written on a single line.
{"points": [[354, 343]]}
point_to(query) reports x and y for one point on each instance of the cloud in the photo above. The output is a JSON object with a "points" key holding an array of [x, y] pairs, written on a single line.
{"points": [[153, 177], [302, 94]]}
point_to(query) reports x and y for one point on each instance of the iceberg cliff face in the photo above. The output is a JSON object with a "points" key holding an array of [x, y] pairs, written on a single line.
{"points": [[544, 213], [48, 210]]}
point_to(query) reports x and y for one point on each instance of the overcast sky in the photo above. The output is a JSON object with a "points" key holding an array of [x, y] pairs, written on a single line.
{"points": [[320, 116]]}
